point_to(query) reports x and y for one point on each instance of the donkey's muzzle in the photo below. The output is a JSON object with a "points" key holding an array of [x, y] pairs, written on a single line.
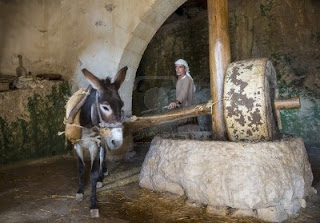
{"points": [[115, 140]]}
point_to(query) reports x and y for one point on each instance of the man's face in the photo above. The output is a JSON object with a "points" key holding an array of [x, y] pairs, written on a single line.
{"points": [[180, 70]]}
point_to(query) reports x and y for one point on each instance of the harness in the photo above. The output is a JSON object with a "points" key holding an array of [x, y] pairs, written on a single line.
{"points": [[105, 128], [73, 130]]}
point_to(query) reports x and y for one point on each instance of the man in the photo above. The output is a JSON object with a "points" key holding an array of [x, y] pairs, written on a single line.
{"points": [[184, 96]]}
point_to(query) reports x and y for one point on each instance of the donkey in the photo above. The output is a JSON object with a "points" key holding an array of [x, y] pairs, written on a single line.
{"points": [[101, 118]]}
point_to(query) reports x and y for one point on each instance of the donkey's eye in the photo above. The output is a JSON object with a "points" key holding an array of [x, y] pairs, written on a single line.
{"points": [[105, 107]]}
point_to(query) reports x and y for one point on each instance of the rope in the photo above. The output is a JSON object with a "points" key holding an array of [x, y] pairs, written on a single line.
{"points": [[65, 121], [92, 136], [210, 104]]}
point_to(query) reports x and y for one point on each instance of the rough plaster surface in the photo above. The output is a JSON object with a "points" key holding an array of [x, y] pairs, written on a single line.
{"points": [[66, 36], [259, 176]]}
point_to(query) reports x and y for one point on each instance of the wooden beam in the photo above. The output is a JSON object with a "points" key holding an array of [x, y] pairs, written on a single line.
{"points": [[219, 59], [139, 123]]}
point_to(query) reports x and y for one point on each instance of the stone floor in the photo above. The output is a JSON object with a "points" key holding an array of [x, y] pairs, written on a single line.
{"points": [[43, 191]]}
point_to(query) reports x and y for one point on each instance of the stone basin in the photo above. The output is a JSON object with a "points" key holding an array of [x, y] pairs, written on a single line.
{"points": [[268, 180]]}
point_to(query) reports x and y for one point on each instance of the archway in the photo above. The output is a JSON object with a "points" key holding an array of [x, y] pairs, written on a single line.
{"points": [[183, 35], [140, 39]]}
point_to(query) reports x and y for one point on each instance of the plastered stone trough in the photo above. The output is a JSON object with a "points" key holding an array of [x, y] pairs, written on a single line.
{"points": [[268, 180]]}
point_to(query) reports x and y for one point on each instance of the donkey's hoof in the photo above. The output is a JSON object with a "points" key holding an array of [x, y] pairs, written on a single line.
{"points": [[94, 213], [106, 173], [99, 184], [79, 197]]}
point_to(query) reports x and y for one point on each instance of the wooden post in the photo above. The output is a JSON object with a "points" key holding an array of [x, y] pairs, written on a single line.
{"points": [[219, 55]]}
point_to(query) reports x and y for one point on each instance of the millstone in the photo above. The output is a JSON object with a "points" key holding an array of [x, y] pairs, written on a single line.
{"points": [[249, 95]]}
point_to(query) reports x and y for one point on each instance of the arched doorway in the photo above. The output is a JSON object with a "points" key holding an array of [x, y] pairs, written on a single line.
{"points": [[183, 35]]}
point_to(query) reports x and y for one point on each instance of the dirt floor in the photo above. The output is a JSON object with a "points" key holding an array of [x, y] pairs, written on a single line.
{"points": [[44, 191]]}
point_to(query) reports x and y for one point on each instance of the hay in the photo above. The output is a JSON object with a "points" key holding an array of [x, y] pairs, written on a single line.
{"points": [[135, 204]]}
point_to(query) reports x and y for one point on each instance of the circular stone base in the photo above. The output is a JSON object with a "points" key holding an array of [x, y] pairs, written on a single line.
{"points": [[257, 176]]}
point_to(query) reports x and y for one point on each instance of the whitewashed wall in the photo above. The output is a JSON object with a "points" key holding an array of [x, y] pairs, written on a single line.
{"points": [[63, 36]]}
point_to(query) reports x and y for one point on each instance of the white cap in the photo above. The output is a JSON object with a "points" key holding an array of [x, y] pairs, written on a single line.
{"points": [[184, 63]]}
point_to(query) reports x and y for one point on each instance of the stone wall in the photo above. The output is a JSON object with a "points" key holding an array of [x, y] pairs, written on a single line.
{"points": [[287, 32], [30, 120]]}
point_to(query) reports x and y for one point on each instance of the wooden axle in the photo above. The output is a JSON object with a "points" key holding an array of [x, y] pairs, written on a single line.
{"points": [[287, 103]]}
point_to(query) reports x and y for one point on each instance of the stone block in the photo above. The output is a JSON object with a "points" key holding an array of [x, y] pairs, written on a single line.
{"points": [[153, 18], [144, 31], [137, 45], [241, 175], [165, 8]]}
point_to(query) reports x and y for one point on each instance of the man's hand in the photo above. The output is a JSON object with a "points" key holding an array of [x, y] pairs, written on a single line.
{"points": [[174, 104]]}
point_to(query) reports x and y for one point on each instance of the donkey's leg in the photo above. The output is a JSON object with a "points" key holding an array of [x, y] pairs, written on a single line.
{"points": [[101, 166], [94, 178], [79, 150], [94, 175], [79, 195], [105, 170]]}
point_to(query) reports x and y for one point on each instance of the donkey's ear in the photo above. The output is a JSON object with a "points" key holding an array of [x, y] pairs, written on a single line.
{"points": [[93, 80], [121, 75]]}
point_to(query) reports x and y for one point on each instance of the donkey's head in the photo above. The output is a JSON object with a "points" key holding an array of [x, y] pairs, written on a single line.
{"points": [[106, 110]]}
